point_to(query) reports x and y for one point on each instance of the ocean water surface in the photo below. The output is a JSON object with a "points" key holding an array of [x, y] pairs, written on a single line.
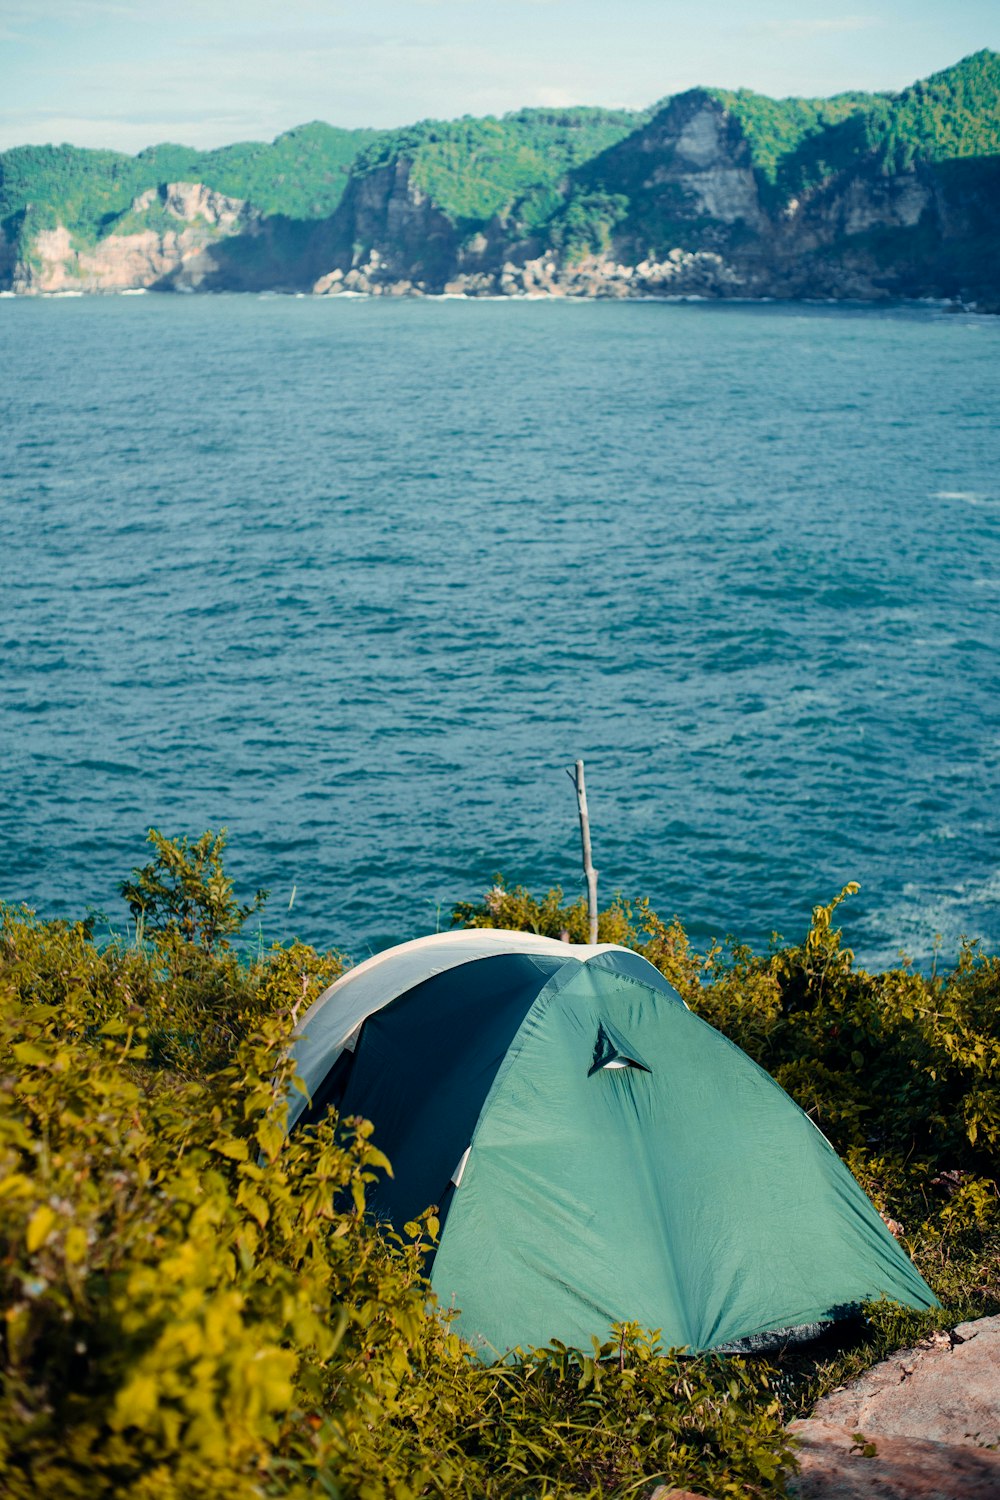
{"points": [[358, 579]]}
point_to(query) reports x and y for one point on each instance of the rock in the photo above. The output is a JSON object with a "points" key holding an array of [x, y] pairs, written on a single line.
{"points": [[931, 1415], [944, 1391], [833, 1467], [703, 161], [141, 257]]}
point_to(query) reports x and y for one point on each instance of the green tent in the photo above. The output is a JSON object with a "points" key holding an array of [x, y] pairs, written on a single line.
{"points": [[598, 1153]]}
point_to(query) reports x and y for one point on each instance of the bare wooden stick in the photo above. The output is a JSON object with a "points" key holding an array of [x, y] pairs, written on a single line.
{"points": [[588, 863]]}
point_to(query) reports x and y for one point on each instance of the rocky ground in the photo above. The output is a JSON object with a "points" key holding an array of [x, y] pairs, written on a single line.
{"points": [[923, 1425]]}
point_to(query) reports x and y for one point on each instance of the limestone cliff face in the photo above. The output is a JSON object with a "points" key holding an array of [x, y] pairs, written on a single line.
{"points": [[689, 215], [692, 191], [691, 163], [386, 232], [163, 257]]}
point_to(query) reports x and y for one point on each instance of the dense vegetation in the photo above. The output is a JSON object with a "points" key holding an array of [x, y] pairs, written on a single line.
{"points": [[301, 175], [195, 1305], [798, 143], [570, 176], [474, 169]]}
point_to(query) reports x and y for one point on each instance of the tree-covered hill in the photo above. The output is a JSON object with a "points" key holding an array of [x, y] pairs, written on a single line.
{"points": [[796, 143], [720, 192], [301, 174], [953, 113], [476, 168]]}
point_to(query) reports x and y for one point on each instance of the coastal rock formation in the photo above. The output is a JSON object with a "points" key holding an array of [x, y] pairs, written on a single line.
{"points": [[687, 182], [711, 194], [388, 214], [691, 163], [169, 256]]}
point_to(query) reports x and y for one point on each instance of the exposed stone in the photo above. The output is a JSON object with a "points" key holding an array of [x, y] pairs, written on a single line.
{"points": [[946, 1391], [923, 1425], [329, 283], [833, 1466], [185, 257]]}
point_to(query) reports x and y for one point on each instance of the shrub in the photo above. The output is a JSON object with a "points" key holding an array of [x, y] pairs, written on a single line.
{"points": [[195, 1305], [186, 893]]}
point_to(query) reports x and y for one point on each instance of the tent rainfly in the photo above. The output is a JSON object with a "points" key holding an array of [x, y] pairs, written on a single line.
{"points": [[597, 1152]]}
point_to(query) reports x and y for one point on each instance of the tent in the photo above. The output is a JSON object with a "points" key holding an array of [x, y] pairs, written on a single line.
{"points": [[598, 1152]]}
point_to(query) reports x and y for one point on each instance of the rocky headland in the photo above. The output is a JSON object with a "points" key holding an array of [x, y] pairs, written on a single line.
{"points": [[708, 195]]}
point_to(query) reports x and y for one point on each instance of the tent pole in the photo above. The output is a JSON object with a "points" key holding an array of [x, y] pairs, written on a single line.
{"points": [[588, 863]]}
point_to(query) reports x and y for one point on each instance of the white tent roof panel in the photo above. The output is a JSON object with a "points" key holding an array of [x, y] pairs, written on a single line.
{"points": [[334, 1019]]}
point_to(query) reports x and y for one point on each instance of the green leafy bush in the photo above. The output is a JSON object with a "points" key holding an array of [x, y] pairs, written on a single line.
{"points": [[185, 892], [195, 1305]]}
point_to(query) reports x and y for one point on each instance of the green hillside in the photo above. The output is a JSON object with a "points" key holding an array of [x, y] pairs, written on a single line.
{"points": [[476, 168], [302, 175], [798, 143], [567, 180], [951, 114]]}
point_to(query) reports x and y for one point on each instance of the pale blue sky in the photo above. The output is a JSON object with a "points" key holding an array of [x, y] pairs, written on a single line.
{"points": [[127, 73]]}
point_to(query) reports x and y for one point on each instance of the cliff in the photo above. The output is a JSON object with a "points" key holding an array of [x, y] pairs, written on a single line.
{"points": [[166, 238], [711, 194]]}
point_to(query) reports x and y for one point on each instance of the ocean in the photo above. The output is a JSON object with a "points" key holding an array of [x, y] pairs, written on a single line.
{"points": [[358, 579]]}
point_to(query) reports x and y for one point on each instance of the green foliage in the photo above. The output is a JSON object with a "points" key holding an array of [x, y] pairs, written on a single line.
{"points": [[474, 169], [302, 174], [952, 113], [586, 223], [195, 1304], [798, 144], [629, 1414], [185, 892], [517, 910]]}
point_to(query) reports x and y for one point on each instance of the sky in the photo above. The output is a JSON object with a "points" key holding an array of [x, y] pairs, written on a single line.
{"points": [[129, 73]]}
